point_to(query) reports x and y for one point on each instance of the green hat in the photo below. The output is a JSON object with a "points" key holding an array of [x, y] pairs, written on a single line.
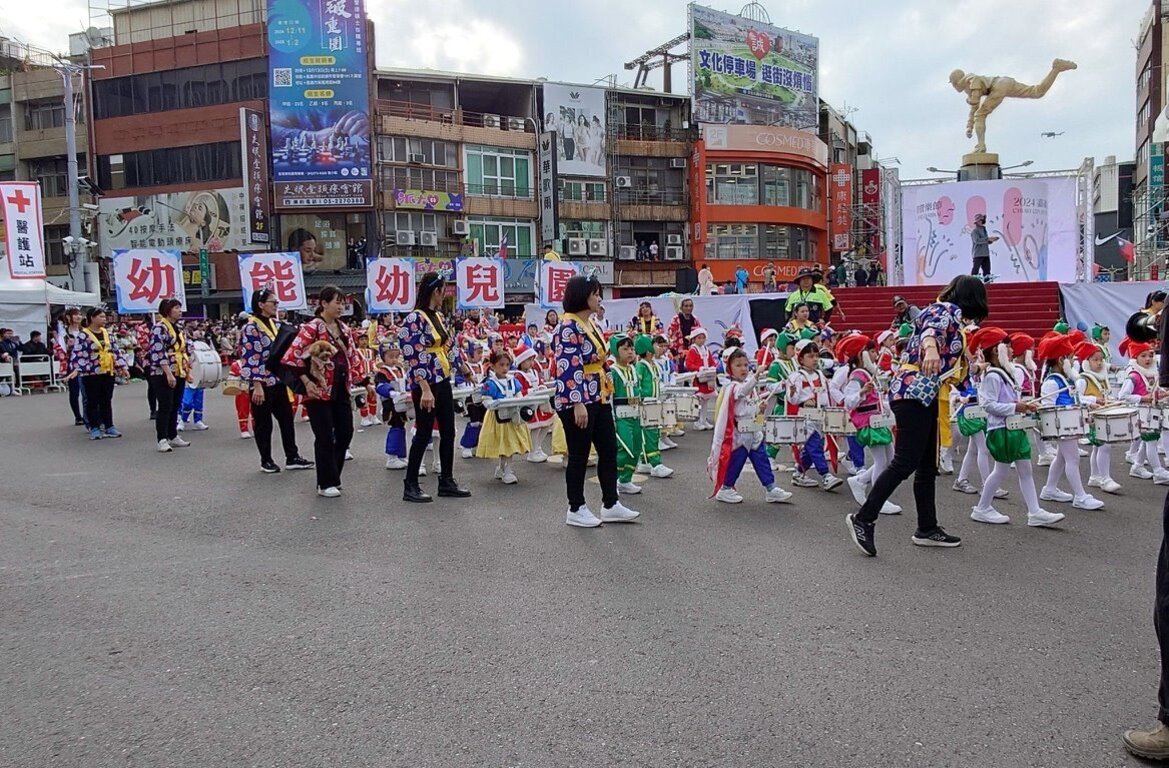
{"points": [[615, 342], [1061, 327], [905, 330], [643, 345], [1098, 331], [808, 333], [783, 341]]}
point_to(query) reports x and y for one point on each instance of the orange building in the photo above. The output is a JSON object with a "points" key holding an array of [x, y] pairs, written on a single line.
{"points": [[764, 201]]}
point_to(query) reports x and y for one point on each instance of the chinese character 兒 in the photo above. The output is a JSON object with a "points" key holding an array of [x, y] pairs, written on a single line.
{"points": [[482, 284]]}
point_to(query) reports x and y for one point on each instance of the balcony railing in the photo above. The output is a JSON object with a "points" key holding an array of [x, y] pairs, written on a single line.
{"points": [[454, 116], [576, 196], [502, 189], [651, 197], [647, 132]]}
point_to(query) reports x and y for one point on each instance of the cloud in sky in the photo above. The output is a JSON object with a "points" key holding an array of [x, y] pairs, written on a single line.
{"points": [[890, 61]]}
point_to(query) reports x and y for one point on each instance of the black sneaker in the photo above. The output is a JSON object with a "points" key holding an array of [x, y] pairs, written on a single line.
{"points": [[269, 467], [79, 422], [298, 463], [863, 535], [936, 538], [153, 416]]}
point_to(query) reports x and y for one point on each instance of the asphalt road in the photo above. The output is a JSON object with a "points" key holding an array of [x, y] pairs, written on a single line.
{"points": [[185, 610]]}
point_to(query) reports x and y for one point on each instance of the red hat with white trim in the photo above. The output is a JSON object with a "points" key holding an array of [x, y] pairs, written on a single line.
{"points": [[851, 346], [1055, 347], [986, 337], [1021, 343], [1085, 350], [523, 352]]}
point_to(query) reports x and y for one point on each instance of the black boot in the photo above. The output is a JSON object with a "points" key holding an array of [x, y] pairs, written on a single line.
{"points": [[413, 493], [447, 486]]}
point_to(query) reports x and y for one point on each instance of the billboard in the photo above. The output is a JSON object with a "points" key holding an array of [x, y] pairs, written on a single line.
{"points": [[213, 219], [318, 97], [577, 115], [320, 238], [871, 200], [745, 71], [1035, 221], [280, 273], [549, 183], [766, 138], [254, 138], [144, 277], [840, 205]]}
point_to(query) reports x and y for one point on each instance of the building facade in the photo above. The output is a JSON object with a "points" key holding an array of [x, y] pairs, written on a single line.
{"points": [[1148, 178]]}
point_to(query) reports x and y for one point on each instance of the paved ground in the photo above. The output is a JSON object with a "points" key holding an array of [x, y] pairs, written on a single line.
{"points": [[184, 610]]}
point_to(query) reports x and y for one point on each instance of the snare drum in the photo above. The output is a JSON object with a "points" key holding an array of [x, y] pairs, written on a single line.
{"points": [[1115, 425], [669, 414], [785, 430], [882, 421], [974, 412], [206, 368], [233, 386], [686, 407], [1059, 422], [1019, 421], [1149, 417], [652, 414], [835, 421], [749, 426]]}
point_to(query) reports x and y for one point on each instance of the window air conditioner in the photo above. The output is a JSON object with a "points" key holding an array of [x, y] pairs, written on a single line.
{"points": [[627, 253], [461, 227], [673, 253], [428, 239], [515, 123], [677, 162], [673, 239], [404, 237], [491, 121], [598, 247], [623, 182], [417, 157], [577, 246]]}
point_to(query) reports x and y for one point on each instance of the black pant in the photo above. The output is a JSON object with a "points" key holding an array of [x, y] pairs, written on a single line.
{"points": [[152, 394], [981, 264], [332, 423], [277, 406], [168, 401], [99, 400], [914, 453], [600, 433], [1161, 615], [444, 413], [75, 397]]}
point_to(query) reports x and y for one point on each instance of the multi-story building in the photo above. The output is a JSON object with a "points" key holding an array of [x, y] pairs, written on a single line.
{"points": [[1149, 172], [1112, 208]]}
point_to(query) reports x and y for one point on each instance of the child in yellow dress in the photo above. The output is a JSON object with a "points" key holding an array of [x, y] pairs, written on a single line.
{"points": [[504, 433]]}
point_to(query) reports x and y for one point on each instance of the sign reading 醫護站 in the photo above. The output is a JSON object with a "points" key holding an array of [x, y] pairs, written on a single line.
{"points": [[23, 231]]}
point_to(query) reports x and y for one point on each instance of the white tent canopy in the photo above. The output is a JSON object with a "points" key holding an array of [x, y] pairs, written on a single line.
{"points": [[24, 304]]}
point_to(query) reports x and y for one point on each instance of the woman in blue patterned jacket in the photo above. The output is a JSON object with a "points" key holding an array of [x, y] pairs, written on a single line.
{"points": [[96, 359]]}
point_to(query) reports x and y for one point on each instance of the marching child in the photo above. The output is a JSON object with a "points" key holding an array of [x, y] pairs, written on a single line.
{"points": [[365, 408], [861, 397], [808, 387], [962, 398], [649, 387], [1094, 391], [531, 377], [699, 357], [1137, 388], [390, 384], [997, 393], [777, 376], [738, 435], [472, 371], [1058, 388], [767, 352], [886, 352], [626, 414], [502, 439], [243, 405]]}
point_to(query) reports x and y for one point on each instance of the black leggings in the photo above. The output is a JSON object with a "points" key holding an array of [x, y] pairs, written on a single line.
{"points": [[981, 264], [75, 398], [444, 413], [99, 400], [332, 423], [152, 394], [168, 400], [600, 433], [1161, 615], [276, 406], [914, 453]]}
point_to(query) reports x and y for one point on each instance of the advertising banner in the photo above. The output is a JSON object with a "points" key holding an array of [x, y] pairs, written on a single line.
{"points": [[280, 273], [766, 138], [871, 200], [144, 277], [390, 286], [318, 101], [554, 277], [577, 116], [425, 200], [749, 72], [840, 205], [23, 229], [479, 283], [549, 181], [211, 219], [320, 238], [1035, 221], [254, 144]]}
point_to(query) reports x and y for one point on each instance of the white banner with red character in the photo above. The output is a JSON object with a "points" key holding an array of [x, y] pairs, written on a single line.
{"points": [[479, 283], [143, 277], [389, 286], [280, 273], [21, 204], [554, 277]]}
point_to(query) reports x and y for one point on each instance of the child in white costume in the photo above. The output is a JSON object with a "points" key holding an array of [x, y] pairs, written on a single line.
{"points": [[1094, 389], [862, 399], [1137, 388], [1058, 388]]}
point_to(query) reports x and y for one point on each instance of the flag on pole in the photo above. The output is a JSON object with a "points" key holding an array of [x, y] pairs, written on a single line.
{"points": [[1127, 250], [503, 247]]}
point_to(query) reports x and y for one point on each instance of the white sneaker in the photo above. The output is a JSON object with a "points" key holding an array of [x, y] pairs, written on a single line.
{"points": [[1141, 472], [831, 482], [304, 418], [777, 495], [498, 472], [644, 468], [946, 466], [329, 493], [164, 447], [890, 509], [348, 455], [989, 515], [1044, 519], [1045, 460], [199, 426], [800, 480], [394, 462], [1161, 476], [181, 427], [668, 443], [1095, 482], [467, 453], [962, 485], [661, 471], [509, 477], [592, 462], [678, 433], [849, 468], [1002, 493], [365, 422], [1083, 453], [1055, 494], [1110, 486], [179, 442], [629, 489], [1087, 502], [245, 435], [618, 513], [729, 496], [537, 457], [582, 518], [1131, 458], [859, 492]]}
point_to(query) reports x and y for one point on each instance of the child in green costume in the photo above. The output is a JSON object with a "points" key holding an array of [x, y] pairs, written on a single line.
{"points": [[649, 387], [625, 411]]}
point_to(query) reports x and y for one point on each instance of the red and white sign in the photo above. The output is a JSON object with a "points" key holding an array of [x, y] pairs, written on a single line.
{"points": [[390, 285], [479, 283], [281, 273], [840, 205], [554, 277], [144, 277], [23, 229], [871, 200]]}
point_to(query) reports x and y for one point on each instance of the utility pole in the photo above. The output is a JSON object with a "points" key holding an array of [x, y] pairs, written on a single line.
{"points": [[77, 262]]}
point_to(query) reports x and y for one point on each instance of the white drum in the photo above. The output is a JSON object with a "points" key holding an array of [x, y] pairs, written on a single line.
{"points": [[1149, 417], [1019, 421], [882, 421], [404, 403], [785, 430], [708, 376], [835, 421], [206, 370], [463, 393], [652, 414], [974, 412], [750, 426], [1115, 425], [669, 414], [1059, 422], [686, 407]]}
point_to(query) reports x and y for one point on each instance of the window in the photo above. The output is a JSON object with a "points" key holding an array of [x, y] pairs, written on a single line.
{"points": [[652, 181], [1143, 116], [744, 184], [430, 179], [498, 172], [5, 125], [733, 241], [415, 221], [176, 165], [53, 175], [754, 241], [54, 247], [47, 113], [396, 149], [582, 191], [185, 88], [489, 232], [590, 230], [732, 184]]}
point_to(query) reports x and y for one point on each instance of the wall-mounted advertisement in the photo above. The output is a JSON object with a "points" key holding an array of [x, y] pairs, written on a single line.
{"points": [[577, 115], [319, 103], [319, 238], [213, 219], [1033, 219], [749, 72]]}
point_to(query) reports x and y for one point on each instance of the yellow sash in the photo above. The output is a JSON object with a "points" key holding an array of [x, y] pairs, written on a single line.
{"points": [[180, 349], [438, 350], [598, 342], [260, 323], [105, 355]]}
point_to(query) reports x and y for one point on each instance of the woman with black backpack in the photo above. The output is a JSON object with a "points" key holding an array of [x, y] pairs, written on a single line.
{"points": [[269, 396]]}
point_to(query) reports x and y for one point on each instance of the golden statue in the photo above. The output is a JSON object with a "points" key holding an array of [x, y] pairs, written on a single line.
{"points": [[984, 94]]}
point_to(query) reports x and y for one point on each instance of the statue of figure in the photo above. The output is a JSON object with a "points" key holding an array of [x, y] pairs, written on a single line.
{"points": [[984, 94]]}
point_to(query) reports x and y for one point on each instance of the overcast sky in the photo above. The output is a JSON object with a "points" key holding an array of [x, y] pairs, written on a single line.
{"points": [[889, 60]]}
